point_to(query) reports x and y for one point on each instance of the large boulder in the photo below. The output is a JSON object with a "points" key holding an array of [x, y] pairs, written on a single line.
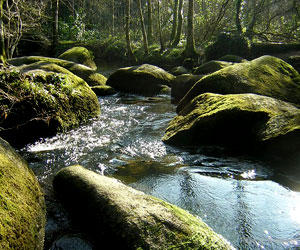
{"points": [[145, 79], [40, 103], [88, 74], [266, 75], [79, 55], [181, 85], [22, 209], [255, 123], [123, 218]]}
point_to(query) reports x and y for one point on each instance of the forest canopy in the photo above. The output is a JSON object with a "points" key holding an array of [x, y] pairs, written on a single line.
{"points": [[164, 23]]}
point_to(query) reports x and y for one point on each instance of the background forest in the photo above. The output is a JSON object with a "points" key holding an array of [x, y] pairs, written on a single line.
{"points": [[148, 28]]}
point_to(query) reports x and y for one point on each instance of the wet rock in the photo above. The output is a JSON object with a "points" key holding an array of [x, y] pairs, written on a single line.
{"points": [[40, 103], [180, 70], [247, 122], [22, 210], [86, 73], [79, 55], [103, 90], [124, 218], [71, 242], [266, 75], [181, 85], [211, 67], [144, 79]]}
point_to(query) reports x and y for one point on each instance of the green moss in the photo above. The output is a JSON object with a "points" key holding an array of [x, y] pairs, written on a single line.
{"points": [[267, 75], [50, 101], [79, 55], [129, 218], [210, 67], [22, 205], [86, 73]]}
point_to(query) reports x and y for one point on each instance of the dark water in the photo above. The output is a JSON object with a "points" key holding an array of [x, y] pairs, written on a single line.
{"points": [[236, 196]]}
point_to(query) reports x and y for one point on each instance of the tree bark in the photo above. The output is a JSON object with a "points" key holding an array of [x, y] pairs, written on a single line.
{"points": [[145, 40], [113, 17], [190, 40], [150, 23], [130, 54], [162, 46], [3, 54], [179, 24], [174, 25], [238, 22], [55, 38]]}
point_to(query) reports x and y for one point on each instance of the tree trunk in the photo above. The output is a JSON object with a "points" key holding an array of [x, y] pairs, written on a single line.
{"points": [[143, 28], [238, 22], [174, 25], [3, 54], [150, 23], [55, 38], [179, 25], [130, 54], [113, 18], [190, 40], [162, 46]]}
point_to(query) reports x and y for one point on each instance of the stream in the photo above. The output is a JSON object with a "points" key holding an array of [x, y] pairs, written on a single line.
{"points": [[243, 199]]}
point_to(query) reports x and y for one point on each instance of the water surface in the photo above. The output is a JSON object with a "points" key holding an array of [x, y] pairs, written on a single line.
{"points": [[237, 196]]}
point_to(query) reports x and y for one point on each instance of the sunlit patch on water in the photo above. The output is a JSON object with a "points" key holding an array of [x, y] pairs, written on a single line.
{"points": [[236, 196]]}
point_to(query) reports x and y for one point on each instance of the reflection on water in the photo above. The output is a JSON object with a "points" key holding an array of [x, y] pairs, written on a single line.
{"points": [[236, 196]]}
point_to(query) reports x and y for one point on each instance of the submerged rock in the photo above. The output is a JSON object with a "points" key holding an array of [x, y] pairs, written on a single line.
{"points": [[266, 75], [243, 121], [144, 79], [39, 103], [124, 218], [86, 73], [79, 55], [71, 242], [22, 209]]}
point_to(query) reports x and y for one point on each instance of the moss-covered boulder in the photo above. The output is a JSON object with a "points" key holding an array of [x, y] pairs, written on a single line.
{"points": [[86, 73], [211, 67], [124, 218], [179, 70], [79, 55], [39, 103], [181, 85], [249, 122], [22, 205], [145, 79], [266, 75]]}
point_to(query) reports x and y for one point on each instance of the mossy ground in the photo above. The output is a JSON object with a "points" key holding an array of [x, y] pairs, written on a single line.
{"points": [[22, 207]]}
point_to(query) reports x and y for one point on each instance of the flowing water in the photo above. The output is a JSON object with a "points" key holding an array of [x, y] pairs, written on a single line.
{"points": [[237, 196]]}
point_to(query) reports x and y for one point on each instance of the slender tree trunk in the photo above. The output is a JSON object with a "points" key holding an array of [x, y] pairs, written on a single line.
{"points": [[55, 38], [150, 22], [162, 46], [113, 18], [3, 54], [174, 25], [145, 40], [238, 22], [179, 25], [130, 54], [190, 40]]}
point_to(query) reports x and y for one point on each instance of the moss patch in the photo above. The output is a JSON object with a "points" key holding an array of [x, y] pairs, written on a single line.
{"points": [[86, 73], [128, 218], [266, 75], [244, 121], [22, 205], [79, 55], [39, 103]]}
